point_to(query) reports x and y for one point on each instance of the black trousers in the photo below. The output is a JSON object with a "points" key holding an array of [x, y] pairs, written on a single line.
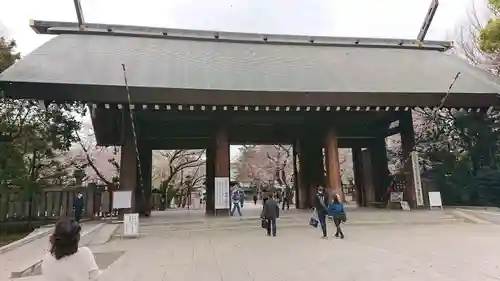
{"points": [[271, 227], [287, 203], [337, 225], [78, 215]]}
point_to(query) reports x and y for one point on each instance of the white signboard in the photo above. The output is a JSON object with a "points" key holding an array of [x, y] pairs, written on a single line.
{"points": [[122, 199], [221, 193], [417, 182], [435, 199], [131, 225], [404, 205], [396, 197]]}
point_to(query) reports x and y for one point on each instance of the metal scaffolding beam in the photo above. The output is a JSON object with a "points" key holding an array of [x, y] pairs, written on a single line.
{"points": [[79, 14], [428, 20]]}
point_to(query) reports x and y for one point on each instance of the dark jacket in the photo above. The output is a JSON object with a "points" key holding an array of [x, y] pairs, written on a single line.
{"points": [[271, 210], [78, 204], [321, 202]]}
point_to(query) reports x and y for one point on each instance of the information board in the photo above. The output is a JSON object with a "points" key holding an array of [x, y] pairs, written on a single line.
{"points": [[222, 193], [131, 225], [122, 199], [396, 197], [419, 195], [435, 199]]}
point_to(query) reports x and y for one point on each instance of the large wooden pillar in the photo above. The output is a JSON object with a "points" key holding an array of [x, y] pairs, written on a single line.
{"points": [[407, 145], [296, 178], [302, 180], [311, 169], [146, 158], [221, 164], [357, 162], [210, 180], [333, 181], [128, 164], [380, 167], [368, 187]]}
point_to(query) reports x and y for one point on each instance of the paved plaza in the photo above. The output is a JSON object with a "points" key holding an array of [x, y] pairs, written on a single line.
{"points": [[396, 245], [457, 251]]}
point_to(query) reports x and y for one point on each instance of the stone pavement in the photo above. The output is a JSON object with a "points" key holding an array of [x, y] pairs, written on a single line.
{"points": [[458, 251]]}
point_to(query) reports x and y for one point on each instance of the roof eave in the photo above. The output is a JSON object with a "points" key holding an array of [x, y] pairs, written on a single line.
{"points": [[57, 28]]}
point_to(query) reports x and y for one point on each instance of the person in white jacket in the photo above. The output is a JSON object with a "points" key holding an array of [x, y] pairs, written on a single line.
{"points": [[65, 260]]}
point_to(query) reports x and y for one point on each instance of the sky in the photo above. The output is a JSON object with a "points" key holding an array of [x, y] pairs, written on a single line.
{"points": [[353, 18], [356, 18]]}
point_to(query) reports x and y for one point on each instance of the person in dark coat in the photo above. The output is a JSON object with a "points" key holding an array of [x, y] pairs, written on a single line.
{"points": [[270, 212], [286, 199], [78, 204], [321, 202]]}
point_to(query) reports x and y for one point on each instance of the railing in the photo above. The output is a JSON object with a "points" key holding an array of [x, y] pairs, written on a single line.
{"points": [[53, 203]]}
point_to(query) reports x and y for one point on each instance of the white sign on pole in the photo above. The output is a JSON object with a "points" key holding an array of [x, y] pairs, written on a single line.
{"points": [[122, 199], [131, 225], [417, 182], [221, 193], [396, 197], [404, 205], [435, 199]]}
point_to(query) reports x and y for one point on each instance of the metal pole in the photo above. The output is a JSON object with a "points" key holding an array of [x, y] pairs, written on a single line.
{"points": [[428, 20], [79, 14]]}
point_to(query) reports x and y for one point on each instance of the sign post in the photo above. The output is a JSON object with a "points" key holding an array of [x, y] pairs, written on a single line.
{"points": [[435, 200], [123, 200], [222, 193], [417, 182], [131, 225]]}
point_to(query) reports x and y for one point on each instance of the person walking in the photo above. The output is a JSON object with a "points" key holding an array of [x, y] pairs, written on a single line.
{"points": [[270, 212], [242, 196], [336, 210], [286, 199], [65, 260], [236, 202], [78, 204], [321, 203], [265, 196], [255, 199]]}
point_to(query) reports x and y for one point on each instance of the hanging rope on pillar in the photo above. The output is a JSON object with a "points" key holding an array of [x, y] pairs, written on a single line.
{"points": [[132, 121]]}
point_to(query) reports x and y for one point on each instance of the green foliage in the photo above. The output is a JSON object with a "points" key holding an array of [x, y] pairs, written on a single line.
{"points": [[33, 140], [461, 153], [489, 36], [7, 54]]}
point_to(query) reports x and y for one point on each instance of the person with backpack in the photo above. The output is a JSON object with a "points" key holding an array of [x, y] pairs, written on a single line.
{"points": [[235, 198], [336, 210]]}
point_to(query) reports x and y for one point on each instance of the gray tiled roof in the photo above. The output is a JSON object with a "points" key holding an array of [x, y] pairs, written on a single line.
{"points": [[191, 64]]}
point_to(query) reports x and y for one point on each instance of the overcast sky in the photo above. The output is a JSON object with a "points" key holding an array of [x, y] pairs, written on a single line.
{"points": [[355, 18]]}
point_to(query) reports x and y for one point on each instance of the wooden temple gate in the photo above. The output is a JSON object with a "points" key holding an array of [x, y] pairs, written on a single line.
{"points": [[191, 89]]}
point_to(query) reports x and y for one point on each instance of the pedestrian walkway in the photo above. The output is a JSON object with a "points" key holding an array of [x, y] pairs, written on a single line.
{"points": [[379, 245], [455, 252]]}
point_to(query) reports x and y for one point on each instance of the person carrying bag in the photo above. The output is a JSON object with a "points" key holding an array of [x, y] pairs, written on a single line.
{"points": [[313, 221], [320, 204], [336, 210]]}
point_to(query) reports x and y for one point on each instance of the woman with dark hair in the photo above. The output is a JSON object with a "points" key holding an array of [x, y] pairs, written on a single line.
{"points": [[337, 211], [66, 261]]}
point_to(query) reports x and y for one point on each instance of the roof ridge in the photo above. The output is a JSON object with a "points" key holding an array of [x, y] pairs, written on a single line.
{"points": [[50, 27]]}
